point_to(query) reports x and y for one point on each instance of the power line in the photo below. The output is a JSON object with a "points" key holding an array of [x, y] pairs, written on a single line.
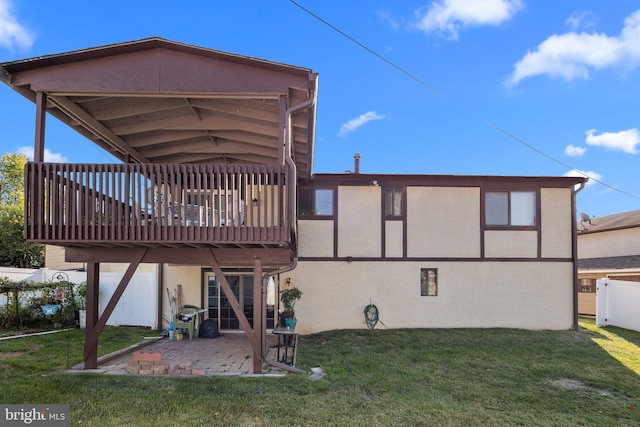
{"points": [[515, 138], [397, 67], [402, 70]]}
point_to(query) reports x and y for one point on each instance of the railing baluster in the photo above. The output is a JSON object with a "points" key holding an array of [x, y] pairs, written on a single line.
{"points": [[164, 205]]}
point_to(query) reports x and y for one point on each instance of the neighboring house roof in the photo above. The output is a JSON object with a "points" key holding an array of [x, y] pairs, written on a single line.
{"points": [[618, 221], [610, 263], [158, 101]]}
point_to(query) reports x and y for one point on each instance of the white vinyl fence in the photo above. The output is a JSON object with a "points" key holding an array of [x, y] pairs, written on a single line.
{"points": [[617, 304], [137, 306]]}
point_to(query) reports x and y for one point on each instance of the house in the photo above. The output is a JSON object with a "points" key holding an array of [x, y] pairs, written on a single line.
{"points": [[608, 247], [216, 187]]}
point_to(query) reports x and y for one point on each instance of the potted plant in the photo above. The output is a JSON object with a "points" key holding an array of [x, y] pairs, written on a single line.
{"points": [[289, 297], [48, 302], [81, 300]]}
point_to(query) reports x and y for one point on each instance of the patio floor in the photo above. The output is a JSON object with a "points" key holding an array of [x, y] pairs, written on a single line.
{"points": [[228, 354]]}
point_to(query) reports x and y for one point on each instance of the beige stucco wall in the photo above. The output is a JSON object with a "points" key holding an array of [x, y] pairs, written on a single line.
{"points": [[359, 225], [394, 239], [443, 222], [190, 277], [510, 244], [556, 223], [471, 294], [315, 238]]}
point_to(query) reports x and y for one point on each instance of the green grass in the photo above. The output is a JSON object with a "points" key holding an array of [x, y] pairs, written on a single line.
{"points": [[458, 377]]}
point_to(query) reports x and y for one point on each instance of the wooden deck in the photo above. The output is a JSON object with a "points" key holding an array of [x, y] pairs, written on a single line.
{"points": [[155, 205]]}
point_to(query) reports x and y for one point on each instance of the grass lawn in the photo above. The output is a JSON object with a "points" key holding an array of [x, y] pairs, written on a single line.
{"points": [[426, 377]]}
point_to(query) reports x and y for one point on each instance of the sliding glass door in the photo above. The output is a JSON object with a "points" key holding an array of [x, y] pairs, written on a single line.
{"points": [[219, 306]]}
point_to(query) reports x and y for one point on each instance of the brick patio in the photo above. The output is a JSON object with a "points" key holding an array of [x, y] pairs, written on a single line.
{"points": [[229, 354]]}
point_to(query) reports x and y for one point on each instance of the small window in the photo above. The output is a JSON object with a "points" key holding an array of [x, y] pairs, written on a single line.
{"points": [[428, 282], [510, 208], [315, 202], [393, 203], [587, 285]]}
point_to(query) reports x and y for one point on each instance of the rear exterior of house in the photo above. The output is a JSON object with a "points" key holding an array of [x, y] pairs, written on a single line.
{"points": [[436, 251], [216, 189], [608, 247]]}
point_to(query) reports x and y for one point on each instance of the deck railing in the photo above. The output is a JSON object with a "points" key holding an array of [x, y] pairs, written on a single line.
{"points": [[130, 204]]}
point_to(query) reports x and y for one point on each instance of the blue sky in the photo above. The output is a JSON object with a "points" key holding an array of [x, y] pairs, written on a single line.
{"points": [[490, 87]]}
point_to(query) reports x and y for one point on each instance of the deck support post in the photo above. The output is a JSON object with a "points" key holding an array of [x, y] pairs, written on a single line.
{"points": [[97, 324], [93, 285], [235, 305], [41, 114], [258, 308]]}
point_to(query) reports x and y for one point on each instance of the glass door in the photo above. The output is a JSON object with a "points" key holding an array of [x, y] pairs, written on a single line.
{"points": [[219, 306]]}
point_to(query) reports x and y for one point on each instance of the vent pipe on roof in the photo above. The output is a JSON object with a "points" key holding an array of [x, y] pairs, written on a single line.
{"points": [[356, 161]]}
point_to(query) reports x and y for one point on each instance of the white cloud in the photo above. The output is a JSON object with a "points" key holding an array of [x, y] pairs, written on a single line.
{"points": [[354, 124], [625, 140], [448, 16], [12, 34], [584, 19], [574, 151], [48, 155], [593, 176], [571, 55]]}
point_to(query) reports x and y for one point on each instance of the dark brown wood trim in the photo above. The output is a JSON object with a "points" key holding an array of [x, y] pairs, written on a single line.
{"points": [[508, 189], [539, 220], [405, 223], [232, 257], [429, 259], [41, 115], [335, 221], [485, 181]]}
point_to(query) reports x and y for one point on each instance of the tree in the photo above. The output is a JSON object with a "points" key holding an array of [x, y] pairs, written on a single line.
{"points": [[14, 250]]}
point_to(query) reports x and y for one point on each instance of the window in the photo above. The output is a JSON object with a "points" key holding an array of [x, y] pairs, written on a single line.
{"points": [[587, 285], [428, 282], [510, 208], [315, 202], [393, 203]]}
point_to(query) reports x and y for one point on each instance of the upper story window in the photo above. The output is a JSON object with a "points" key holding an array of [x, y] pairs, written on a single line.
{"points": [[510, 208], [393, 203], [315, 202]]}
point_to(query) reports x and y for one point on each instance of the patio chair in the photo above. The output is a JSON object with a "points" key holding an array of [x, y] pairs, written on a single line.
{"points": [[186, 319]]}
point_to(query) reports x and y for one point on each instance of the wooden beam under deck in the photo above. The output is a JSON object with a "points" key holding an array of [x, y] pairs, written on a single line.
{"points": [[226, 257]]}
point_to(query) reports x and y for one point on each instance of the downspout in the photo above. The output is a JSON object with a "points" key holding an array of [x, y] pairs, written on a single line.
{"points": [[293, 187], [293, 211], [574, 230]]}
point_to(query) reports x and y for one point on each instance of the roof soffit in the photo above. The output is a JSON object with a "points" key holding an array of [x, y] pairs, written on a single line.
{"points": [[174, 103]]}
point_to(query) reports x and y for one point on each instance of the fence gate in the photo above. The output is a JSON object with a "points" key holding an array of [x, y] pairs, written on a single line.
{"points": [[617, 304]]}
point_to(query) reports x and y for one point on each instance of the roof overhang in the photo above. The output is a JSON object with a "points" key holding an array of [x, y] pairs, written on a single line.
{"points": [[158, 101]]}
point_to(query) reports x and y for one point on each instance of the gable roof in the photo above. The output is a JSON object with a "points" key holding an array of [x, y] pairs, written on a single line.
{"points": [[618, 221], [159, 101]]}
